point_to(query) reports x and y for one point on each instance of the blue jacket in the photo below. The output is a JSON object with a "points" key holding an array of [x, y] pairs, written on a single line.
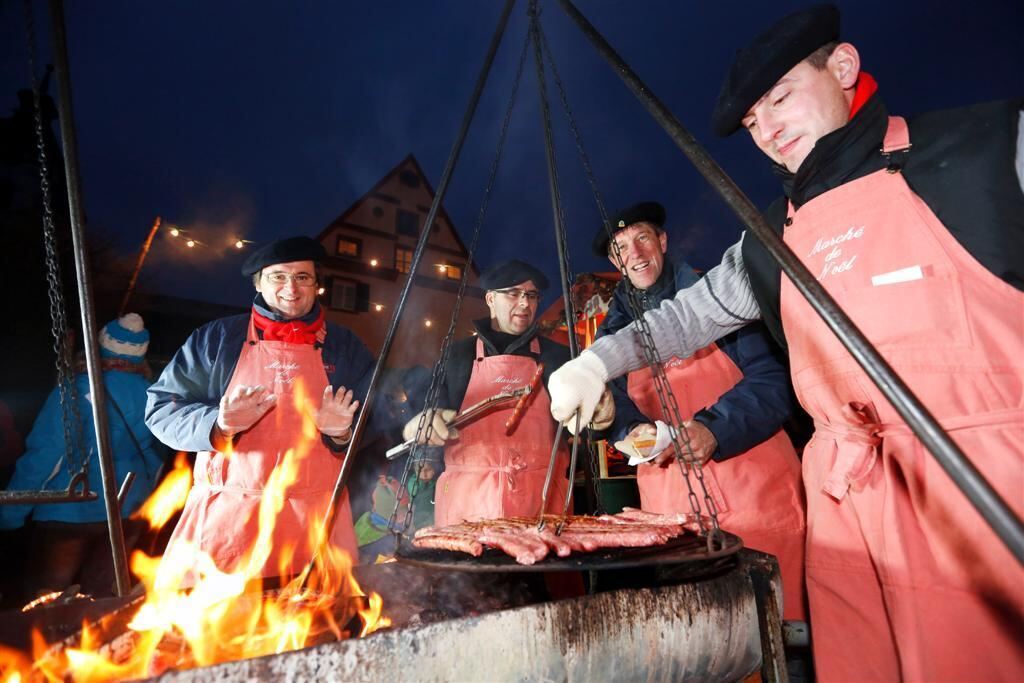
{"points": [[44, 465], [745, 415], [184, 401]]}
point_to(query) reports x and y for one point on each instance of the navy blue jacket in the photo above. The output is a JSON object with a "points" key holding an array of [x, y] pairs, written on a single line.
{"points": [[45, 465], [183, 404], [745, 415]]}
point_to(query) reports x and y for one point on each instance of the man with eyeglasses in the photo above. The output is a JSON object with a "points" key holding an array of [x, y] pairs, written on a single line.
{"points": [[488, 474], [242, 392], [733, 397]]}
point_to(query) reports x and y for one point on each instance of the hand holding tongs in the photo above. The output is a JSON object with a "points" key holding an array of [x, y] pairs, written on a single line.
{"points": [[522, 397], [551, 471]]}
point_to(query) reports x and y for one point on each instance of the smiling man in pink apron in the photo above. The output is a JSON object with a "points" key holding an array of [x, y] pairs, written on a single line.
{"points": [[733, 395], [239, 391], [486, 473], [917, 229]]}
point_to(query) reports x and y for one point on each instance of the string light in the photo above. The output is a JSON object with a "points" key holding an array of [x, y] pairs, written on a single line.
{"points": [[378, 307], [373, 262], [239, 244], [427, 323], [321, 291], [175, 232], [190, 244], [440, 268]]}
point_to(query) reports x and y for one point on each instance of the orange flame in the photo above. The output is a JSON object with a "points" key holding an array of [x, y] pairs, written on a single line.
{"points": [[224, 615], [170, 496]]}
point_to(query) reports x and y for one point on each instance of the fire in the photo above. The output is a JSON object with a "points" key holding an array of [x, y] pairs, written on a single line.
{"points": [[225, 615], [170, 496]]}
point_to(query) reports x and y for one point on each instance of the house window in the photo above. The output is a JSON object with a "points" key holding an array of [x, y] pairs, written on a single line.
{"points": [[343, 295], [349, 248], [453, 272], [403, 259], [407, 223]]}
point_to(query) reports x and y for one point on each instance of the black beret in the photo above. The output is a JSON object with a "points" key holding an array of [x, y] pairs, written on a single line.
{"points": [[284, 251], [511, 273], [768, 58], [644, 212]]}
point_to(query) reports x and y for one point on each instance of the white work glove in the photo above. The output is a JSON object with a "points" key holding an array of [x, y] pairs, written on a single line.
{"points": [[243, 408], [439, 419], [577, 385], [336, 413]]}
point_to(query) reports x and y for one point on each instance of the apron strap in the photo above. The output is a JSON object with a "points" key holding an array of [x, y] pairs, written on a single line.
{"points": [[251, 336], [896, 145]]}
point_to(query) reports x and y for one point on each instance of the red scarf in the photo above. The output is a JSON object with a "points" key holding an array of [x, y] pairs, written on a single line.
{"points": [[290, 331], [866, 87]]}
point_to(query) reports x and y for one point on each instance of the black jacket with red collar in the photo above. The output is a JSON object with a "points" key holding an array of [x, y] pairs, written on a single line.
{"points": [[961, 163], [463, 358]]}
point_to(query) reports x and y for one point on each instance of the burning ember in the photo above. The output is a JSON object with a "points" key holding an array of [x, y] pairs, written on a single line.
{"points": [[223, 616]]}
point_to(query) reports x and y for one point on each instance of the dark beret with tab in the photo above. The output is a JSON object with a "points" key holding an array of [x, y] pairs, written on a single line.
{"points": [[644, 212], [284, 251], [510, 274], [769, 57]]}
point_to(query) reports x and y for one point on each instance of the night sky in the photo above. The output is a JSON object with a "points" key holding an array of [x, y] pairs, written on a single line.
{"points": [[261, 120]]}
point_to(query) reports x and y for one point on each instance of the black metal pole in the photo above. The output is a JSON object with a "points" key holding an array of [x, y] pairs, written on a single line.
{"points": [[421, 245], [92, 357], [590, 478], [556, 200], [964, 474]]}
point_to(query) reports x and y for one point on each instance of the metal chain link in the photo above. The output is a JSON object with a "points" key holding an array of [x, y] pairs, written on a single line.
{"points": [[425, 428], [563, 242], [666, 398], [68, 391]]}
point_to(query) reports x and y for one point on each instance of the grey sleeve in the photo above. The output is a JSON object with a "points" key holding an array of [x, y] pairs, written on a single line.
{"points": [[719, 303]]}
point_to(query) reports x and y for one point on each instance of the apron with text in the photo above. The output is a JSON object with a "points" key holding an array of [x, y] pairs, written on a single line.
{"points": [[221, 514], [758, 493], [489, 475], [905, 579]]}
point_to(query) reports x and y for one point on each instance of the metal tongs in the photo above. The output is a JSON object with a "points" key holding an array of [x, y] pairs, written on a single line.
{"points": [[550, 475], [522, 397]]}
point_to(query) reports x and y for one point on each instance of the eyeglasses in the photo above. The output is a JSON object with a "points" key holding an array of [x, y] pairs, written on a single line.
{"points": [[300, 279], [532, 296]]}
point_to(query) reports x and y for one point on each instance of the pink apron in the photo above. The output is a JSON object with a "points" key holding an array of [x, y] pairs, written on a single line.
{"points": [[905, 579], [221, 513], [757, 493], [489, 475]]}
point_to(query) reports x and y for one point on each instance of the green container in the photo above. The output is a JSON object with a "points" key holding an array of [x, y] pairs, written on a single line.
{"points": [[616, 493]]}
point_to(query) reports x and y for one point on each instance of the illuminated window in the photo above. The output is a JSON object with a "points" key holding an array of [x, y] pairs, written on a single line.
{"points": [[453, 272], [349, 248], [403, 259]]}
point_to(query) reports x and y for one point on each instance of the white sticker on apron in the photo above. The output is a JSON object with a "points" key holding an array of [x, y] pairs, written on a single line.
{"points": [[901, 275]]}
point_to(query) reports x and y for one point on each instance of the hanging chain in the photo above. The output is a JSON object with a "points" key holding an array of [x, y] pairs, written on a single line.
{"points": [[425, 428], [68, 392], [666, 398], [563, 243]]}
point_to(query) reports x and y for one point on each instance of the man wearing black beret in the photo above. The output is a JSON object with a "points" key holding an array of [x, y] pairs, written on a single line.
{"points": [[241, 392], [733, 396], [916, 229], [488, 474]]}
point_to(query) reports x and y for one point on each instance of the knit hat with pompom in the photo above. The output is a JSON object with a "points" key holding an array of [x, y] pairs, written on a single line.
{"points": [[126, 338]]}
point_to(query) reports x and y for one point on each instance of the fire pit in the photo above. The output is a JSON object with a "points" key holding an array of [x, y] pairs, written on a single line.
{"points": [[718, 628]]}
